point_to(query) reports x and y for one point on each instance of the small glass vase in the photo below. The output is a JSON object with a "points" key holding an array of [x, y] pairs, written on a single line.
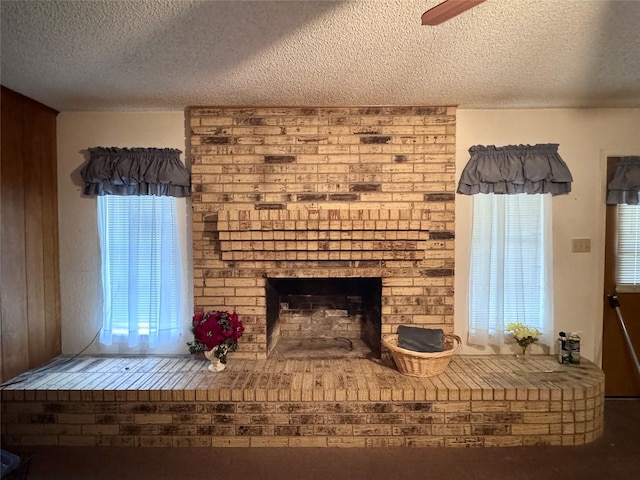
{"points": [[216, 365], [524, 354]]}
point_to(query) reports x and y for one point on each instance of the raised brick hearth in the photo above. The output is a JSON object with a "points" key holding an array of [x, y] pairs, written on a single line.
{"points": [[479, 401]]}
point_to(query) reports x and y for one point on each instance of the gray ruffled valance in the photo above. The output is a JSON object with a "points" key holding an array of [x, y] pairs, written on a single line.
{"points": [[624, 188], [515, 169], [136, 171]]}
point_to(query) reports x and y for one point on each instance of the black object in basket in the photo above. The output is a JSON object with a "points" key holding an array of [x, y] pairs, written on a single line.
{"points": [[10, 462], [420, 339]]}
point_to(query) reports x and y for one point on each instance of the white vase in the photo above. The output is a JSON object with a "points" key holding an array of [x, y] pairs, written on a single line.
{"points": [[216, 365]]}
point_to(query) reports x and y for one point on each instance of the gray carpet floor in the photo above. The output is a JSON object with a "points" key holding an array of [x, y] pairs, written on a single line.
{"points": [[615, 455]]}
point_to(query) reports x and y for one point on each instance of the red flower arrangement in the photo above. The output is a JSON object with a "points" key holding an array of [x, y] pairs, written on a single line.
{"points": [[217, 331]]}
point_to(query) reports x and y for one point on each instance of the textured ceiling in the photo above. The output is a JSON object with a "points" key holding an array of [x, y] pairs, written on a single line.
{"points": [[170, 54]]}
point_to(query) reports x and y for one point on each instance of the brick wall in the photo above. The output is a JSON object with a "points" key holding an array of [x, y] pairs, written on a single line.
{"points": [[323, 193]]}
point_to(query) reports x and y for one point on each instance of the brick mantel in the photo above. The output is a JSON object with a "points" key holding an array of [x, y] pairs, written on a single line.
{"points": [[323, 192], [293, 235]]}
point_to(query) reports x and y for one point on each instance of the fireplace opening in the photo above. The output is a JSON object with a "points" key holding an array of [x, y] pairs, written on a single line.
{"points": [[324, 317]]}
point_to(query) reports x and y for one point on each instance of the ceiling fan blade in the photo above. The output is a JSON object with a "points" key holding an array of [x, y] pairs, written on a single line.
{"points": [[446, 10]]}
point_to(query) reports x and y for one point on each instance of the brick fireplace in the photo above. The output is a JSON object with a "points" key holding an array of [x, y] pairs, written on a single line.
{"points": [[316, 225], [283, 196]]}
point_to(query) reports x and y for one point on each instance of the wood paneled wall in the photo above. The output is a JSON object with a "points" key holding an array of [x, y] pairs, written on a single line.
{"points": [[30, 331]]}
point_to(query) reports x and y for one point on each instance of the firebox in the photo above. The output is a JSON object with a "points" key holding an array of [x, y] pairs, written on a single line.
{"points": [[324, 317]]}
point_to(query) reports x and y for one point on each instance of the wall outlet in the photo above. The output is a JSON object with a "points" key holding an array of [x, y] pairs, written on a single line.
{"points": [[580, 245]]}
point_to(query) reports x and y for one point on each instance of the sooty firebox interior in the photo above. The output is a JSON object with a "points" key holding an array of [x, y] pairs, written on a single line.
{"points": [[324, 317]]}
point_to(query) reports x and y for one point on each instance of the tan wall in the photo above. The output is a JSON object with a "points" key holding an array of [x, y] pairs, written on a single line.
{"points": [[324, 192], [585, 138], [80, 285]]}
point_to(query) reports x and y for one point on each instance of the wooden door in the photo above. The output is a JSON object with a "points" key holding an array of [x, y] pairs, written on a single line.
{"points": [[621, 376]]}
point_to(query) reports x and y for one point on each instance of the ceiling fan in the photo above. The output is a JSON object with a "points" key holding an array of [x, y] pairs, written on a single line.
{"points": [[447, 10]]}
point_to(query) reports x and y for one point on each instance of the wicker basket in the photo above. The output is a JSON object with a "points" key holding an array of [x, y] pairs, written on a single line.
{"points": [[422, 364]]}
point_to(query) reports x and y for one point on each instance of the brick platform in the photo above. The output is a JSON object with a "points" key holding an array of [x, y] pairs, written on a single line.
{"points": [[174, 401]]}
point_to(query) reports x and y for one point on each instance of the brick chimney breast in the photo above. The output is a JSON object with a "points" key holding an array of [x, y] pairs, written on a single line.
{"points": [[324, 193]]}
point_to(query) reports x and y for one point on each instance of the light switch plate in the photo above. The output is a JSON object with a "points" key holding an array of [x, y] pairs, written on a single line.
{"points": [[580, 245]]}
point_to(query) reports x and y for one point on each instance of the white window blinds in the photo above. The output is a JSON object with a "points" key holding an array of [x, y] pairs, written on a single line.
{"points": [[511, 260], [141, 268], [628, 248]]}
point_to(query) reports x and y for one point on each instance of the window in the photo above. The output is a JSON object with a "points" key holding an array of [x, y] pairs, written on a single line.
{"points": [[628, 249], [511, 259], [141, 269]]}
